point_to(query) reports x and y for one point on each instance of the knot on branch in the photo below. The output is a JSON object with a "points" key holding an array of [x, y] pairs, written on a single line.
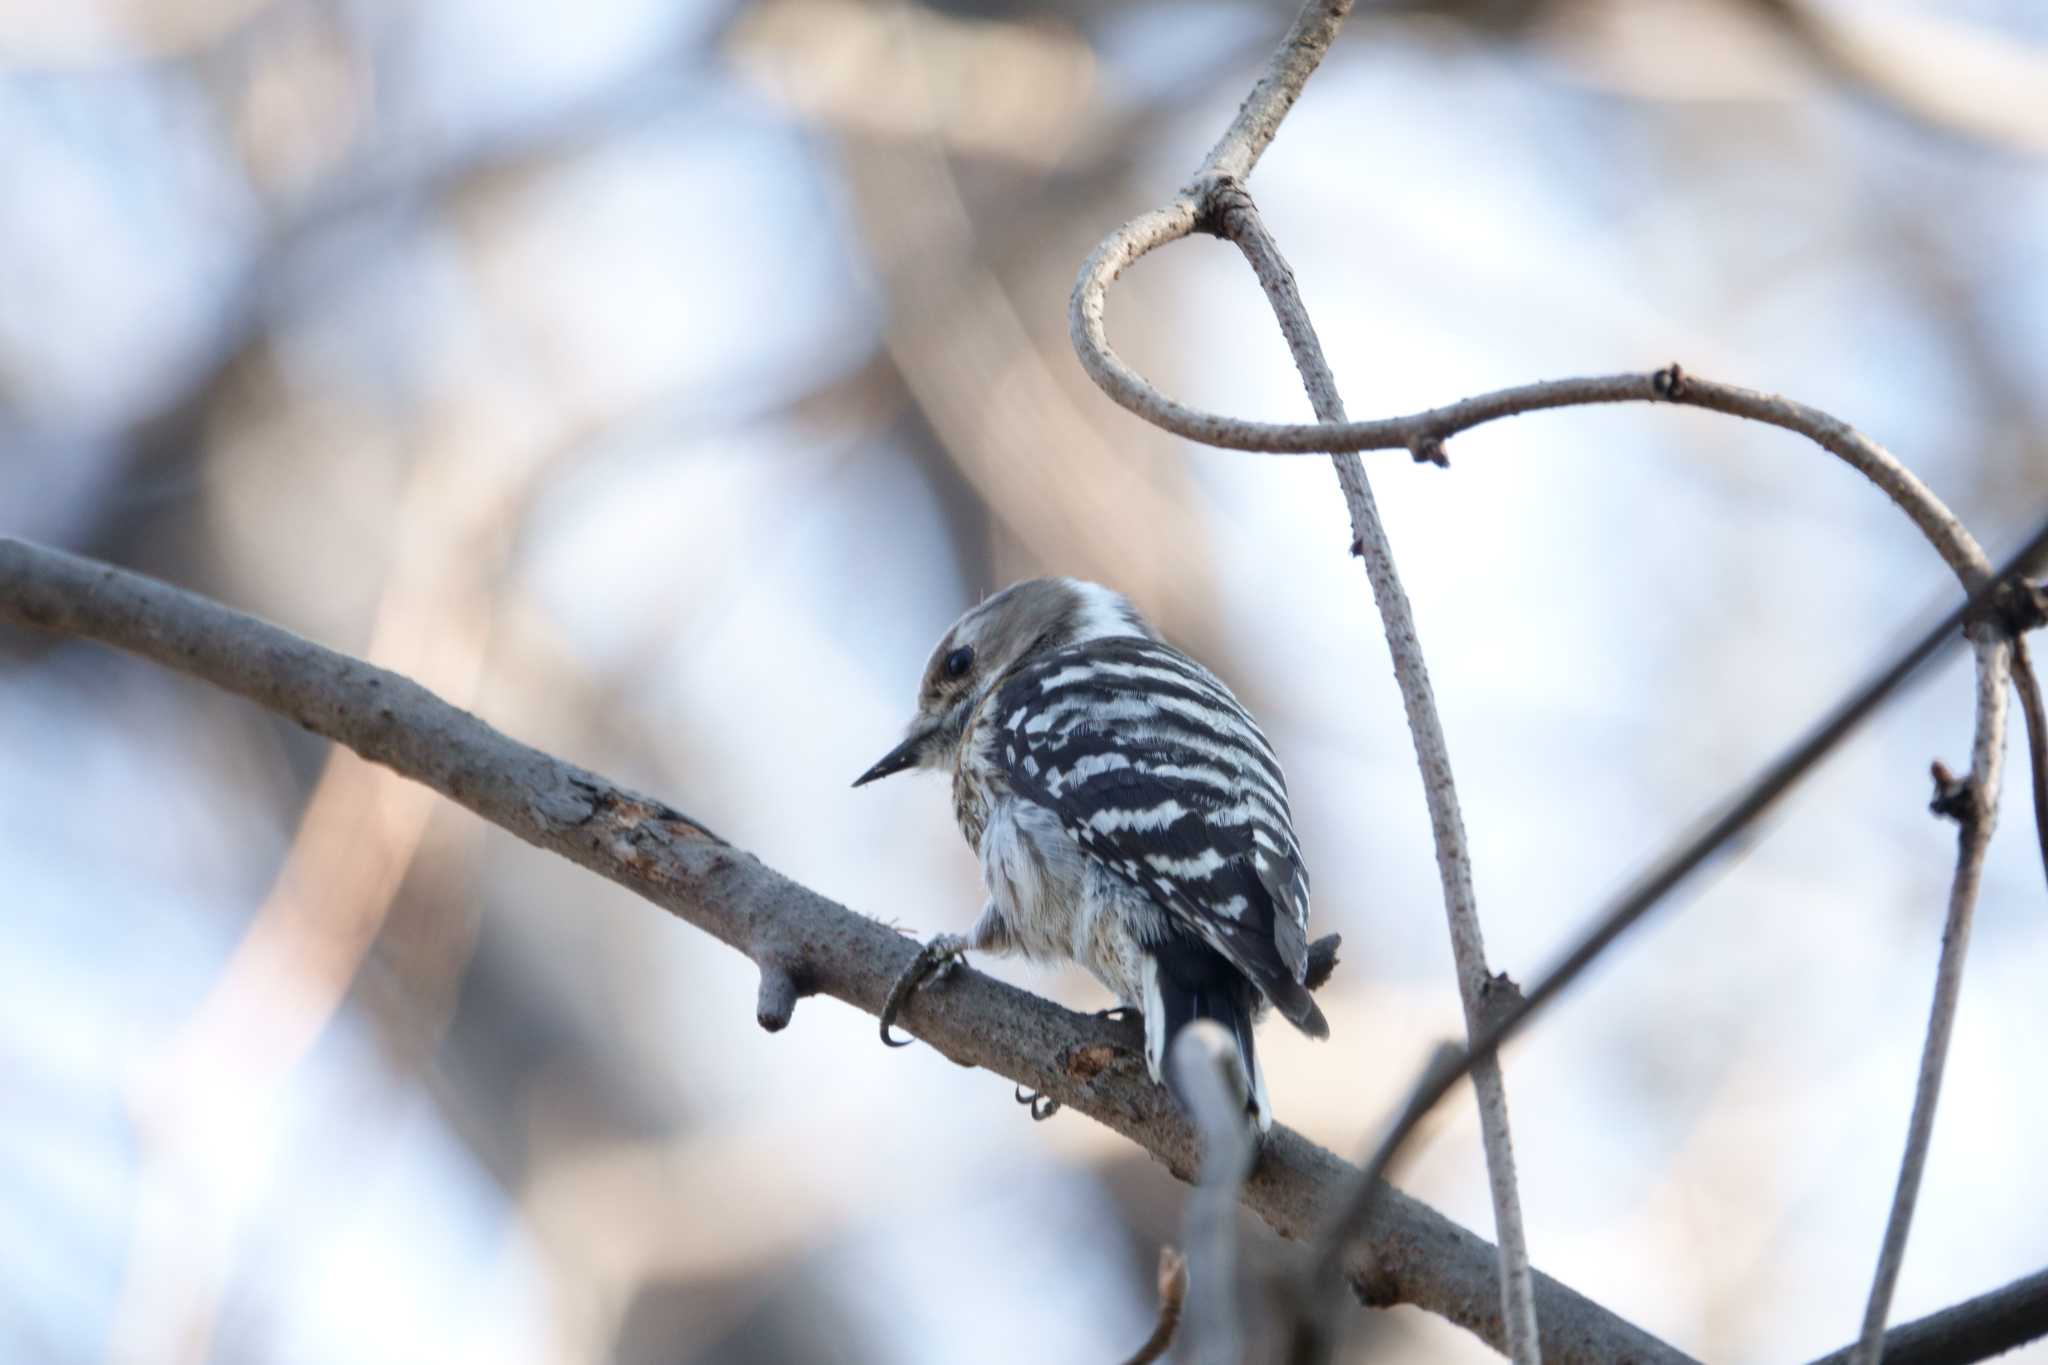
{"points": [[783, 983], [1083, 1062], [1670, 383], [2015, 607], [1957, 798], [1499, 997], [1218, 200], [1429, 450], [1376, 1286]]}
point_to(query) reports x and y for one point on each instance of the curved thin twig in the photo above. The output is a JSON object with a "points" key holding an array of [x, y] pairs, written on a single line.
{"points": [[1976, 811], [1235, 217], [1423, 433], [1258, 119], [1411, 1254], [1173, 1295], [2029, 687], [1216, 199], [1204, 202]]}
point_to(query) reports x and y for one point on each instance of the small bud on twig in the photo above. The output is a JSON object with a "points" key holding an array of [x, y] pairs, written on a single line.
{"points": [[1954, 797]]}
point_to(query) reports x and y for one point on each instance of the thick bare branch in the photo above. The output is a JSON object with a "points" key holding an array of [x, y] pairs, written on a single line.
{"points": [[1407, 1252], [1975, 1329]]}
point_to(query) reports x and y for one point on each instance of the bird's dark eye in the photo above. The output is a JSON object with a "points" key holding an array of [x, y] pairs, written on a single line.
{"points": [[959, 661]]}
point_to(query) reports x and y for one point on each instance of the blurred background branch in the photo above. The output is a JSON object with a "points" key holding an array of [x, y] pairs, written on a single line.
{"points": [[1205, 1062], [639, 271]]}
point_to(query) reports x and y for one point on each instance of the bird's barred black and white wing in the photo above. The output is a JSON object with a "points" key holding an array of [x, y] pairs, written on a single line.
{"points": [[1155, 770]]}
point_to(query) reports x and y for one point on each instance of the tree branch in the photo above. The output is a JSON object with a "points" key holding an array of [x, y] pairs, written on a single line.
{"points": [[1232, 215], [1216, 200], [2029, 687], [1974, 804], [1408, 1253], [1668, 872], [1975, 1329], [1210, 200], [1173, 1296], [1423, 433], [1258, 119]]}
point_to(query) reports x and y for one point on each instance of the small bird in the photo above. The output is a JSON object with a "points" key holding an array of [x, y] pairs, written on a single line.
{"points": [[1128, 813]]}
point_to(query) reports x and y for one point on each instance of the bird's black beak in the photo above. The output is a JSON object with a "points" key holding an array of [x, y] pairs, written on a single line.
{"points": [[903, 756]]}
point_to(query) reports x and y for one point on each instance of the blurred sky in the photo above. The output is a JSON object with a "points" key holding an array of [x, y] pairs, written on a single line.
{"points": [[660, 380]]}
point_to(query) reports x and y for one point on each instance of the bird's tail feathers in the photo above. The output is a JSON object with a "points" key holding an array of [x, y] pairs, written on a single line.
{"points": [[1293, 1001], [1176, 996]]}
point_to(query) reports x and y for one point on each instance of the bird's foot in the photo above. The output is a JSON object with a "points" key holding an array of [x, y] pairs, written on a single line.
{"points": [[1043, 1107], [933, 961]]}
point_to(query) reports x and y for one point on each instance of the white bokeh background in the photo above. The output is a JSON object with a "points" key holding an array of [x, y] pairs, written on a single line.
{"points": [[660, 379]]}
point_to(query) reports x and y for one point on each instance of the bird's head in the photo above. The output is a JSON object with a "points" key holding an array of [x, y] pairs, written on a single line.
{"points": [[1021, 623]]}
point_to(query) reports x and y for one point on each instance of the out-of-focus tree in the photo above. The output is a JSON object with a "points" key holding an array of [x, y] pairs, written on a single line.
{"points": [[658, 380]]}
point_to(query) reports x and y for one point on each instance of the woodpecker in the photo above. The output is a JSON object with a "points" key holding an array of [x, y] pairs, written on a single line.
{"points": [[1128, 813]]}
